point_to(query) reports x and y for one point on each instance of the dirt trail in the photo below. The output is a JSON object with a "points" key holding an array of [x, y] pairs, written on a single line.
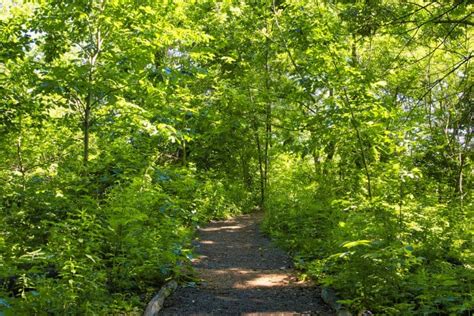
{"points": [[243, 274]]}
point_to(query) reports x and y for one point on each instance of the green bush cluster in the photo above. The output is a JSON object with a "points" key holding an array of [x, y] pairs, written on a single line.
{"points": [[64, 252], [413, 259]]}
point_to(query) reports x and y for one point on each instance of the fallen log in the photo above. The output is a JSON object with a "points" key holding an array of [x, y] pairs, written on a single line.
{"points": [[156, 303]]}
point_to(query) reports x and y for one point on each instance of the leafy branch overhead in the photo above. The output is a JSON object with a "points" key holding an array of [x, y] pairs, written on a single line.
{"points": [[125, 125]]}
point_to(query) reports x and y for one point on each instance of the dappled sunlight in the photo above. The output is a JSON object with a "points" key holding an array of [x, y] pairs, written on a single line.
{"points": [[239, 269], [239, 278], [222, 228], [268, 279], [230, 260], [206, 242], [198, 259]]}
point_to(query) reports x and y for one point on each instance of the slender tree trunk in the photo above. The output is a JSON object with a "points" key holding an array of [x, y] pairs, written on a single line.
{"points": [[460, 179], [400, 207], [87, 114], [87, 117], [19, 152], [268, 116], [268, 132], [184, 153], [260, 154], [361, 147], [354, 123], [97, 41], [246, 177], [317, 169], [261, 169], [260, 164]]}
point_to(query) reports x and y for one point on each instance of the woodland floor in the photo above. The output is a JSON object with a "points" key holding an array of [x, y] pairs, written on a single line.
{"points": [[243, 273]]}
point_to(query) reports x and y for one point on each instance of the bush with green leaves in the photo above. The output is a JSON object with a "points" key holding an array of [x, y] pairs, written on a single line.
{"points": [[386, 258], [114, 252]]}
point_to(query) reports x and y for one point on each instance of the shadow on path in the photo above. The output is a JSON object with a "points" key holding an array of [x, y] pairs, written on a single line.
{"points": [[243, 274]]}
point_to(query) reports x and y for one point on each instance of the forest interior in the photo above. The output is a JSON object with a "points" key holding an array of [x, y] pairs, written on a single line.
{"points": [[125, 125]]}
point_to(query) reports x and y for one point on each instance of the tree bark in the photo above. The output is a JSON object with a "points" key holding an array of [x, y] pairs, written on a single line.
{"points": [[260, 166], [361, 146]]}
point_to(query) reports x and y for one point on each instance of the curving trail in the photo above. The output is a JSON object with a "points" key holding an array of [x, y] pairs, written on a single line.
{"points": [[243, 274]]}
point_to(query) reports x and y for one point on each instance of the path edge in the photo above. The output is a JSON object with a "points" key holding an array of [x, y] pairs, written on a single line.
{"points": [[156, 303]]}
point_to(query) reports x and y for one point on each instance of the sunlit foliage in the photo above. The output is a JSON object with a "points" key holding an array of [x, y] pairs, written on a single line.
{"points": [[126, 124]]}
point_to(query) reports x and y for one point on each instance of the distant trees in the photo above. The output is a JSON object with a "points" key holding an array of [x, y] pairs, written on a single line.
{"points": [[348, 122]]}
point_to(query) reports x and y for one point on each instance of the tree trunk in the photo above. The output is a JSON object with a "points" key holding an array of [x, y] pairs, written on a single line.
{"points": [[260, 165], [268, 114], [246, 176], [87, 113], [361, 146]]}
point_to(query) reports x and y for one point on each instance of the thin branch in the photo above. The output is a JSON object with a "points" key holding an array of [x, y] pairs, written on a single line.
{"points": [[437, 47], [437, 82], [437, 17], [410, 13], [462, 21], [361, 144]]}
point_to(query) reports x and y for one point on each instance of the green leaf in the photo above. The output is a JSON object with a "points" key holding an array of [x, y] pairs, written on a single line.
{"points": [[356, 243]]}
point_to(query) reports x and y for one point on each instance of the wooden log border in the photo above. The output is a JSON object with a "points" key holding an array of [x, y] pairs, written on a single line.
{"points": [[156, 303]]}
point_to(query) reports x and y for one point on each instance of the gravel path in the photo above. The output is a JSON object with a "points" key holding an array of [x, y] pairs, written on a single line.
{"points": [[242, 273]]}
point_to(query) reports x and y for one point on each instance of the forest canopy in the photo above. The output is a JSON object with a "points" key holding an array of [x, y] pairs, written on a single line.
{"points": [[124, 125]]}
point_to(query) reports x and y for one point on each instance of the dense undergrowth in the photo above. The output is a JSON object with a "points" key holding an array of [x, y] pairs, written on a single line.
{"points": [[125, 124], [64, 253], [410, 257]]}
